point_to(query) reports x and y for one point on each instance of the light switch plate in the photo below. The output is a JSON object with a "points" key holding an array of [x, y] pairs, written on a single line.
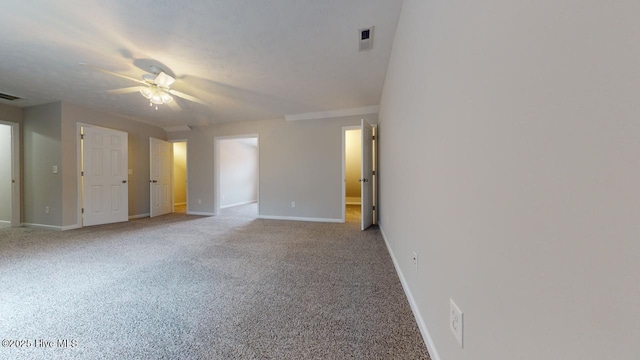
{"points": [[54, 169]]}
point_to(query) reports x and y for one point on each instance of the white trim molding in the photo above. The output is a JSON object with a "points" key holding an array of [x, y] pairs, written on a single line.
{"points": [[238, 204], [295, 218], [367, 110], [177, 128], [200, 213], [42, 226], [426, 336]]}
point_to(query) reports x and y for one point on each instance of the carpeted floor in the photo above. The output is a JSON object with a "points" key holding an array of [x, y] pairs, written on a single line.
{"points": [[189, 287]]}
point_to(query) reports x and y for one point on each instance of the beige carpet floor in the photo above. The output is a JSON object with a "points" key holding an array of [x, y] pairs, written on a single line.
{"points": [[190, 287]]}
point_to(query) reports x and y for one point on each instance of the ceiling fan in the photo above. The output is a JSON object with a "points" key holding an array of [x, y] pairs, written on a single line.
{"points": [[155, 87]]}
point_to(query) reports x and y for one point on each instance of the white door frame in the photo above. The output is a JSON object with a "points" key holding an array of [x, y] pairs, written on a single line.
{"points": [[186, 155], [216, 168], [15, 173], [344, 169]]}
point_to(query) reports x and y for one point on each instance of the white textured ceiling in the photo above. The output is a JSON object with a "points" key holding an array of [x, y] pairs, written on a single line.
{"points": [[251, 59]]}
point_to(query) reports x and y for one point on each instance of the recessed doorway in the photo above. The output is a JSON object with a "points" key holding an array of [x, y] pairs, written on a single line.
{"points": [[236, 164], [352, 169], [180, 188]]}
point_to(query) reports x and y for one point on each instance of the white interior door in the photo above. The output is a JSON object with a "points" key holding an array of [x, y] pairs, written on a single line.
{"points": [[366, 181], [161, 153], [104, 180]]}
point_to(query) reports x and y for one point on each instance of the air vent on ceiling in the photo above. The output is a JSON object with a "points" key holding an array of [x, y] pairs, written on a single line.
{"points": [[8, 97], [366, 39]]}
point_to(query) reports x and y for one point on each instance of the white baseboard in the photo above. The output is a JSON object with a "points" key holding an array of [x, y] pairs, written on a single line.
{"points": [[42, 226], [294, 218], [426, 336], [5, 222], [139, 216], [71, 227], [238, 204], [200, 213]]}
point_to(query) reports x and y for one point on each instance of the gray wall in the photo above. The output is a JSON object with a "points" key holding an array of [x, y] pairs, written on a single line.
{"points": [[518, 124], [300, 161], [50, 138], [10, 113], [139, 134], [42, 145], [5, 172], [238, 172]]}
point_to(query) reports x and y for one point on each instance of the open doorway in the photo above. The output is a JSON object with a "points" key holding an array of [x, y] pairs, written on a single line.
{"points": [[9, 175], [180, 187], [352, 174], [359, 174], [237, 176]]}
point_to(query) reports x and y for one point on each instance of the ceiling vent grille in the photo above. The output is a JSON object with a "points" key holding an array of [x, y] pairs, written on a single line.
{"points": [[366, 39], [8, 97]]}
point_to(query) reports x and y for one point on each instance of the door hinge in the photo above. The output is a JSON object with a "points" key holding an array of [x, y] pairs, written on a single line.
{"points": [[81, 136], [83, 210], [374, 207], [81, 173], [373, 137], [373, 172]]}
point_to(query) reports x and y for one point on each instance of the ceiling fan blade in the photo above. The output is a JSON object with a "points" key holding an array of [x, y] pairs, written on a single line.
{"points": [[187, 97], [174, 105], [113, 73], [126, 90], [164, 80]]}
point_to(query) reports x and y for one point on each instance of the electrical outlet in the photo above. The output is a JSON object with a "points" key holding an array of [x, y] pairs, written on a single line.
{"points": [[456, 321], [293, 204], [414, 260], [46, 210]]}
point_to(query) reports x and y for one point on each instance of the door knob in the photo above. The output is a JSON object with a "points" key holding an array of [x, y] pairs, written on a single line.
{"points": [[124, 181], [363, 180]]}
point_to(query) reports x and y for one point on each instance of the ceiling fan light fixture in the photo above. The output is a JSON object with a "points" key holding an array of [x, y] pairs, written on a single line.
{"points": [[156, 96], [146, 92], [166, 98]]}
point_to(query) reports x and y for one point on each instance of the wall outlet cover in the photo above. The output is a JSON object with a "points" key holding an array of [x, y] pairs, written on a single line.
{"points": [[456, 321]]}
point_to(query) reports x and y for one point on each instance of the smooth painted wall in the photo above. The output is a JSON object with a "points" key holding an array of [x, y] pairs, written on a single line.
{"points": [[300, 161], [238, 172], [139, 134], [353, 164], [5, 172], [509, 161], [51, 139], [11, 114], [41, 151], [180, 172]]}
